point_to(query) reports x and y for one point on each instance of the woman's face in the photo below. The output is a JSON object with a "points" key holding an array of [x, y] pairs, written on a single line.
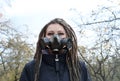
{"points": [[54, 29]]}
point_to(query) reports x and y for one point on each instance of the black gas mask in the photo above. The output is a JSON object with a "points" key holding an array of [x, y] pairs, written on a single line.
{"points": [[56, 44]]}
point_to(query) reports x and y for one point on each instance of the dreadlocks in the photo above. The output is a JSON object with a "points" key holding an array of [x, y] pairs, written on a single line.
{"points": [[71, 58]]}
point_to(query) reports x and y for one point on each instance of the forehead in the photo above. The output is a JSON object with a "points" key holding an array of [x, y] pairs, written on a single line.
{"points": [[55, 27]]}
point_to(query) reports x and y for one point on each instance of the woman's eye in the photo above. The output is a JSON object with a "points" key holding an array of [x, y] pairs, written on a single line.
{"points": [[50, 34], [60, 33]]}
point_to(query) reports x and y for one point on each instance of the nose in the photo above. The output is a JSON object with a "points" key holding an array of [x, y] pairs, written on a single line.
{"points": [[56, 36]]}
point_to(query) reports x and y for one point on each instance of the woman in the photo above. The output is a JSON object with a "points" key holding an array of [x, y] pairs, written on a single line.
{"points": [[43, 67]]}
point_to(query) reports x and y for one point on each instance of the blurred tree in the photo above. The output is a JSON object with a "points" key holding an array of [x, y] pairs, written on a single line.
{"points": [[103, 57], [15, 51]]}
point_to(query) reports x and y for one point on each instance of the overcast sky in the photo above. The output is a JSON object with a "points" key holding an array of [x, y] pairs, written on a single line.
{"points": [[36, 13]]}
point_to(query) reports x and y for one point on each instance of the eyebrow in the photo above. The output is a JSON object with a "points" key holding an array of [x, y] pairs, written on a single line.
{"points": [[57, 31]]}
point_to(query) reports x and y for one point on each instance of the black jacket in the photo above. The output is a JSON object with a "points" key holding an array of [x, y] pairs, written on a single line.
{"points": [[48, 70]]}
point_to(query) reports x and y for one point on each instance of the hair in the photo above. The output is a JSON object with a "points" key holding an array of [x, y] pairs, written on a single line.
{"points": [[72, 59]]}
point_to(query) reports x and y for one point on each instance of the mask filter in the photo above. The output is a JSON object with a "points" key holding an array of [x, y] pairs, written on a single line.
{"points": [[56, 44]]}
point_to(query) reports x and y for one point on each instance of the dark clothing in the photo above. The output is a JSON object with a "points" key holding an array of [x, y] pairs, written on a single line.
{"points": [[48, 70]]}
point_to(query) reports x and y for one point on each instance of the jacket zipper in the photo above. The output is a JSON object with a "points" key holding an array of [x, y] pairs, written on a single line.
{"points": [[57, 66]]}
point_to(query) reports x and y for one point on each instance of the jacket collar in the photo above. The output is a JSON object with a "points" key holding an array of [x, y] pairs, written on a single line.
{"points": [[50, 58]]}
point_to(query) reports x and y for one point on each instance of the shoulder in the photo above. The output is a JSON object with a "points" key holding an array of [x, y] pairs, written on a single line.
{"points": [[84, 72], [28, 71], [83, 67], [29, 66]]}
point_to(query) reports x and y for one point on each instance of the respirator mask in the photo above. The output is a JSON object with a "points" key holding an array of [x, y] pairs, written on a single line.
{"points": [[56, 44]]}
